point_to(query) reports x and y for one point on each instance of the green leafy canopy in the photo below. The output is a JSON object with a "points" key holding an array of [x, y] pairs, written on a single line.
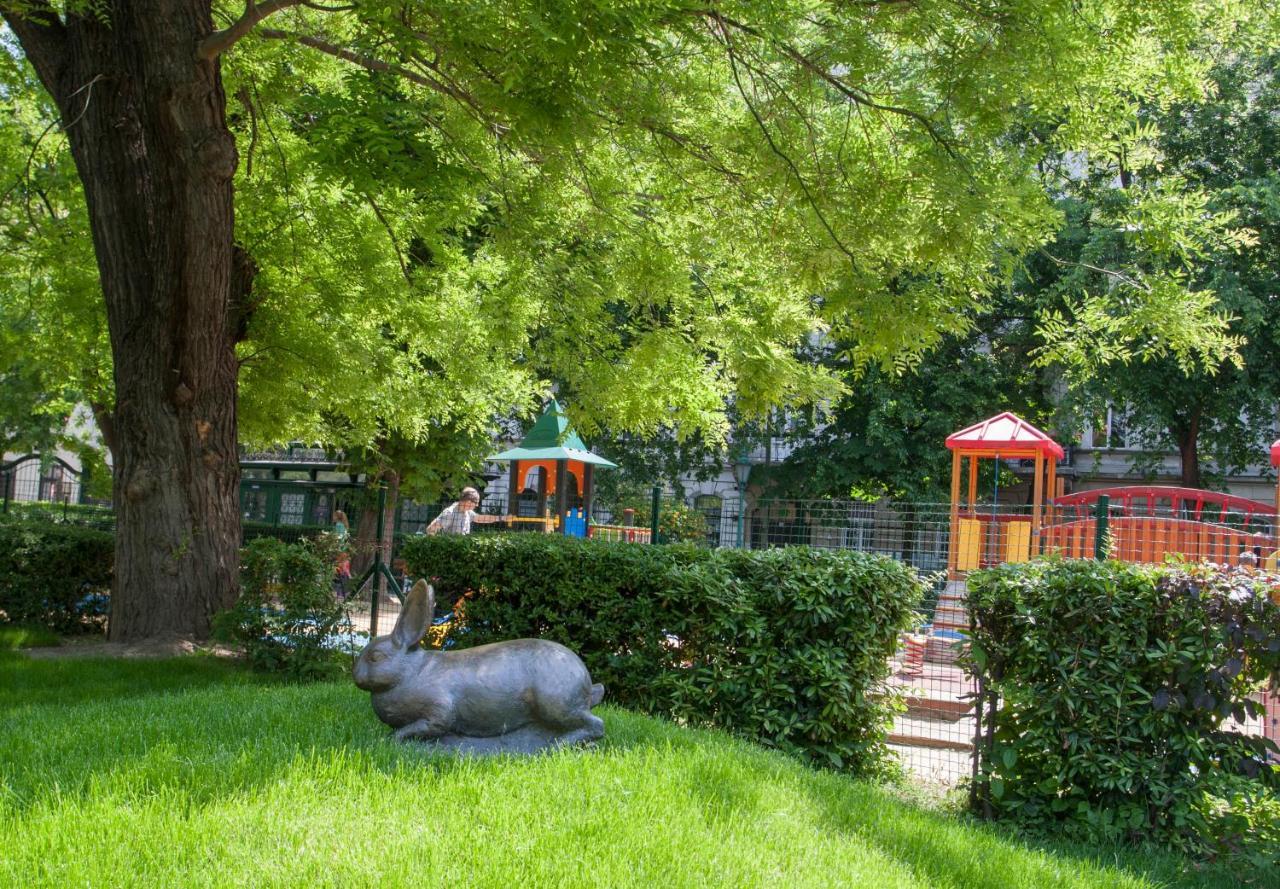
{"points": [[653, 204]]}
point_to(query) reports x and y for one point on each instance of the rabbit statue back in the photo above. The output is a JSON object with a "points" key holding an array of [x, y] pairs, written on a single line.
{"points": [[518, 696]]}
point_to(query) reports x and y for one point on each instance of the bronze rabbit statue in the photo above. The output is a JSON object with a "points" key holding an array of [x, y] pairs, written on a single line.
{"points": [[518, 696]]}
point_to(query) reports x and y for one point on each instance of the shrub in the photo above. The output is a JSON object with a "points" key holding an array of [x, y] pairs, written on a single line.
{"points": [[54, 575], [788, 647], [1115, 683], [287, 618], [677, 521], [680, 523]]}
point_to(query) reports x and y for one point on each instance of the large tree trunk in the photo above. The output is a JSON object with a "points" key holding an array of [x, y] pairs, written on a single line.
{"points": [[147, 128]]}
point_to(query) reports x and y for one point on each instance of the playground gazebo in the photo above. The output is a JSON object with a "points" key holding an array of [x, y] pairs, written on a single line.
{"points": [[1013, 538], [566, 466]]}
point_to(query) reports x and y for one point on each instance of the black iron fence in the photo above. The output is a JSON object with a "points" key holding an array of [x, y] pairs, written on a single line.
{"points": [[45, 480]]}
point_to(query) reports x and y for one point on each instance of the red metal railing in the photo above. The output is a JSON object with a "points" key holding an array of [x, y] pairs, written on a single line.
{"points": [[1152, 539], [1188, 503]]}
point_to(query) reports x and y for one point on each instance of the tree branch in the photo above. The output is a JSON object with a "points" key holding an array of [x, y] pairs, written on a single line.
{"points": [[1110, 273], [105, 419], [853, 94], [43, 38], [699, 150], [773, 146], [377, 211], [219, 42], [372, 64]]}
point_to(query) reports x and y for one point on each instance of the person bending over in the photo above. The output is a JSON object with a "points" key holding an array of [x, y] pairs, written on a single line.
{"points": [[457, 519]]}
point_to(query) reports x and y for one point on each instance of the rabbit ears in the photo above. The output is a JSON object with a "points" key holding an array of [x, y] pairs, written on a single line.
{"points": [[416, 616]]}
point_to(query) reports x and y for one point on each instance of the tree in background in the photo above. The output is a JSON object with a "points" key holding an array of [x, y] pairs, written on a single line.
{"points": [[886, 438], [1218, 156], [289, 198]]}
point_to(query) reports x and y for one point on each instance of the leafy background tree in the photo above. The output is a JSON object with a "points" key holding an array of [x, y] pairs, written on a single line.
{"points": [[1218, 156], [1214, 158], [886, 438]]}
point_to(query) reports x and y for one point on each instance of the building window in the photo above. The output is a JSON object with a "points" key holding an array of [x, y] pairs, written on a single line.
{"points": [[253, 504], [1111, 431], [293, 507]]}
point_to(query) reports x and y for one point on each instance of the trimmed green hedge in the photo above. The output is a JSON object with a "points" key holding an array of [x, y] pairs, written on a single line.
{"points": [[54, 575], [787, 646], [1115, 684]]}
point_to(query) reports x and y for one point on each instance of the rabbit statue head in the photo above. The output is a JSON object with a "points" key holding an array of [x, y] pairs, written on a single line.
{"points": [[388, 661]]}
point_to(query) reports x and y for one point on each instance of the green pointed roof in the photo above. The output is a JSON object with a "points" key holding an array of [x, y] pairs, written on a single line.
{"points": [[552, 439]]}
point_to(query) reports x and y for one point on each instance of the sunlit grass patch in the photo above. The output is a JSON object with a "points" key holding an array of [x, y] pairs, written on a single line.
{"points": [[192, 772]]}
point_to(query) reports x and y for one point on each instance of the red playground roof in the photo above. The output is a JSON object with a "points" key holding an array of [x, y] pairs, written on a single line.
{"points": [[1007, 432], [1275, 453]]}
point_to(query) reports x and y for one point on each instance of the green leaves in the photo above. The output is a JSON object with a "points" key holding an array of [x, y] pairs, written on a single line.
{"points": [[1115, 685], [788, 647], [453, 204]]}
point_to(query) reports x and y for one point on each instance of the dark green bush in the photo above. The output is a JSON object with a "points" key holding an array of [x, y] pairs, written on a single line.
{"points": [[786, 646], [287, 618], [54, 575], [1115, 684]]}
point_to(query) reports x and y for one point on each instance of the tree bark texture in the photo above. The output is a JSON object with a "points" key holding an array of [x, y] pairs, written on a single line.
{"points": [[147, 128]]}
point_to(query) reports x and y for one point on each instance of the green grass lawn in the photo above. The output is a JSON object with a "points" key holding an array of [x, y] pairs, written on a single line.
{"points": [[192, 772]]}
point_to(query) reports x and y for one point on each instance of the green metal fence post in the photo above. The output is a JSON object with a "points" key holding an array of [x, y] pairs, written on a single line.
{"points": [[653, 514], [1100, 527]]}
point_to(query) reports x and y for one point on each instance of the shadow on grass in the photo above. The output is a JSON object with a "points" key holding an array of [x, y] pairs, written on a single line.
{"points": [[954, 848], [65, 682], [200, 729], [942, 847]]}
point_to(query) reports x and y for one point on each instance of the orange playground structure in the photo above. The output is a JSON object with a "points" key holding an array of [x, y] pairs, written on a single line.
{"points": [[981, 537], [1144, 523]]}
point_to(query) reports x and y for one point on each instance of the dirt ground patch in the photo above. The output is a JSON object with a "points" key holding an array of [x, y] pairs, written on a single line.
{"points": [[96, 646]]}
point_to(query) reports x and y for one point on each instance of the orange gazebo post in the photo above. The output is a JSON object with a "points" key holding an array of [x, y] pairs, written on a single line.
{"points": [[1275, 461], [1003, 436]]}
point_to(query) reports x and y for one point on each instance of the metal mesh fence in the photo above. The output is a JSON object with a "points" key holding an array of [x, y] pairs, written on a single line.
{"points": [[32, 487], [934, 736]]}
